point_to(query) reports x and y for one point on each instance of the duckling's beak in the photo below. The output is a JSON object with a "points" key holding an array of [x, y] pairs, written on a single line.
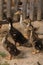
{"points": [[18, 12]]}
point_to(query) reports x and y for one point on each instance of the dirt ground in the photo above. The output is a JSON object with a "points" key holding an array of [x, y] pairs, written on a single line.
{"points": [[25, 57]]}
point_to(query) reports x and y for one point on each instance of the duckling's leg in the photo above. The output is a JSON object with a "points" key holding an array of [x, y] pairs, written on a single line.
{"points": [[35, 51], [10, 57]]}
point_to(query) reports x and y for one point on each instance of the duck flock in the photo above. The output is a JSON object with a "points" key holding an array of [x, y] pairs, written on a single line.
{"points": [[33, 39]]}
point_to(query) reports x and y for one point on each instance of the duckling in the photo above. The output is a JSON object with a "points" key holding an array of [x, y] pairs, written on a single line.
{"points": [[10, 47], [19, 12], [16, 35]]}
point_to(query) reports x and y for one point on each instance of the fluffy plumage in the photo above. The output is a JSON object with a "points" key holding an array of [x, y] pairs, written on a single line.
{"points": [[10, 47], [38, 44], [16, 35]]}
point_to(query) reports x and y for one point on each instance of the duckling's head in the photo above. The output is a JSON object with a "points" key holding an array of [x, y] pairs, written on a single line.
{"points": [[19, 12], [20, 3], [27, 17]]}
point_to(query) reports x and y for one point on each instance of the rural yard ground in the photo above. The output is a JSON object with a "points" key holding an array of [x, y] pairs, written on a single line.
{"points": [[25, 57]]}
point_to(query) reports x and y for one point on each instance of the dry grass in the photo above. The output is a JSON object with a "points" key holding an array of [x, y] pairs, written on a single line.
{"points": [[2, 54], [5, 63]]}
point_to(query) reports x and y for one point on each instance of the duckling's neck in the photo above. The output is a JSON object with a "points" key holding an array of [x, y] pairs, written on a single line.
{"points": [[20, 18], [10, 26], [4, 38]]}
